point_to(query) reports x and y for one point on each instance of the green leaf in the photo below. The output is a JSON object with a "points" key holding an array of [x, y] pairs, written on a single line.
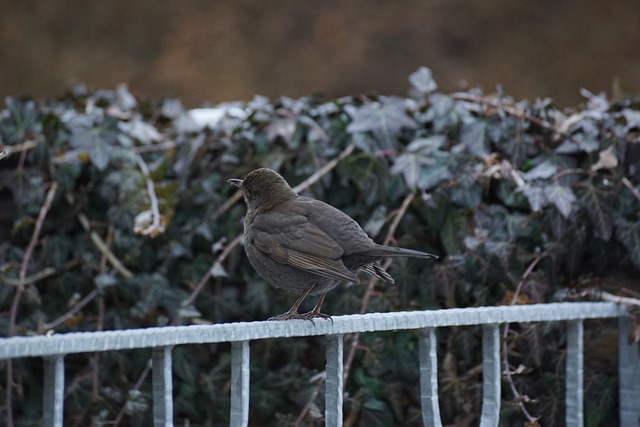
{"points": [[20, 123], [536, 197], [422, 81], [384, 119], [467, 192], [544, 170], [423, 165], [628, 233], [473, 135], [99, 154], [598, 205], [562, 197]]}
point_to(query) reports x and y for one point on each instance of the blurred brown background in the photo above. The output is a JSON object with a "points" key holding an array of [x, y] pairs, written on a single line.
{"points": [[213, 51]]}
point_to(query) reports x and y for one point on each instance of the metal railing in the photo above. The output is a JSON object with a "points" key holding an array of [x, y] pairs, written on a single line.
{"points": [[53, 349]]}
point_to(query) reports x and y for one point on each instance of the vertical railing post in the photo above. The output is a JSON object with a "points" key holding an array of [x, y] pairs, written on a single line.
{"points": [[575, 374], [429, 377], [240, 371], [53, 393], [491, 378], [629, 380], [162, 387], [334, 381]]}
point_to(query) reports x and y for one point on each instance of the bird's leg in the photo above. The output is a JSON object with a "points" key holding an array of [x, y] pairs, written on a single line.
{"points": [[293, 311], [316, 310]]}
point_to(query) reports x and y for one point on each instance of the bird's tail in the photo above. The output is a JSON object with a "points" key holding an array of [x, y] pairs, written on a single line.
{"points": [[383, 251]]}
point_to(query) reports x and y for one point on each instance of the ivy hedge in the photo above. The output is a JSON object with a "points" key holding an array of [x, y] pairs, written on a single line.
{"points": [[115, 214]]}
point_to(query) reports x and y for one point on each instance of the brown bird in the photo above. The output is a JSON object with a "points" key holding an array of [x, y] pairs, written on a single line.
{"points": [[303, 245]]}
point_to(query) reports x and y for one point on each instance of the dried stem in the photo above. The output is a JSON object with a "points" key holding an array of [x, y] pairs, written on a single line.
{"points": [[155, 227], [325, 169], [136, 386], [13, 314], [203, 281], [366, 298], [30, 280], [72, 312], [606, 296], [505, 334], [631, 188], [309, 404], [498, 104], [25, 146], [167, 145], [99, 243], [227, 205]]}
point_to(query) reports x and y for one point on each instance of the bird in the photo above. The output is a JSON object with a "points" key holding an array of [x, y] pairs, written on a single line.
{"points": [[306, 246]]}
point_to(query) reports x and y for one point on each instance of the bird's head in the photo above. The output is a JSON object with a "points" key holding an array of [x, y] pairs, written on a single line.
{"points": [[263, 189]]}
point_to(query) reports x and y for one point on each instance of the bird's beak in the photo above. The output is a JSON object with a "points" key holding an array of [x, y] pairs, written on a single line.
{"points": [[235, 182]]}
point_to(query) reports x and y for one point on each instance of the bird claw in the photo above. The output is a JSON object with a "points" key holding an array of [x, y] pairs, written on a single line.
{"points": [[286, 316], [304, 316], [315, 315]]}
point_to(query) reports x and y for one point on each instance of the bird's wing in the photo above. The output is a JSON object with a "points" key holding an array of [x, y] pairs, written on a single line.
{"points": [[292, 239]]}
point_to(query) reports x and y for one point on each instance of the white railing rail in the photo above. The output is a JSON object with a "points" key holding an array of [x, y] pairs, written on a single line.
{"points": [[53, 348]]}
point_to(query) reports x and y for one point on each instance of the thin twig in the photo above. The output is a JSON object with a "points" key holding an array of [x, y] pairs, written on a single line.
{"points": [[136, 386], [631, 188], [72, 312], [203, 281], [309, 404], [528, 272], [509, 110], [325, 169], [13, 314], [606, 296], [30, 280], [366, 298], [167, 145], [99, 243], [298, 188], [507, 366], [231, 201], [25, 146]]}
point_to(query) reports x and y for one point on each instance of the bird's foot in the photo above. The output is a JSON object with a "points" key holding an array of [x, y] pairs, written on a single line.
{"points": [[315, 315], [288, 315]]}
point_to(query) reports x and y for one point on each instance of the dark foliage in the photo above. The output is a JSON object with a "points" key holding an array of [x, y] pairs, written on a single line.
{"points": [[496, 185]]}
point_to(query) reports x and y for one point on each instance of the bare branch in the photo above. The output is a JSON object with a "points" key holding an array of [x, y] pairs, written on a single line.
{"points": [[99, 243], [13, 314]]}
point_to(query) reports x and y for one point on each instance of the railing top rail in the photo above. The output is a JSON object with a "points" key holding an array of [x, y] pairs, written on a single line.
{"points": [[84, 342]]}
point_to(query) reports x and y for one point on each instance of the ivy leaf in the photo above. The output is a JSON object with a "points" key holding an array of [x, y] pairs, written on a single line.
{"points": [[467, 192], [474, 136], [140, 130], [598, 206], [436, 172], [628, 233], [19, 122], [96, 140], [536, 197], [422, 81], [99, 154], [423, 165], [384, 119], [544, 170], [562, 197], [632, 118], [410, 166]]}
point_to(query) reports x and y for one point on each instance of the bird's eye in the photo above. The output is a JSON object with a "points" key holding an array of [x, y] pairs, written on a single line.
{"points": [[247, 192]]}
